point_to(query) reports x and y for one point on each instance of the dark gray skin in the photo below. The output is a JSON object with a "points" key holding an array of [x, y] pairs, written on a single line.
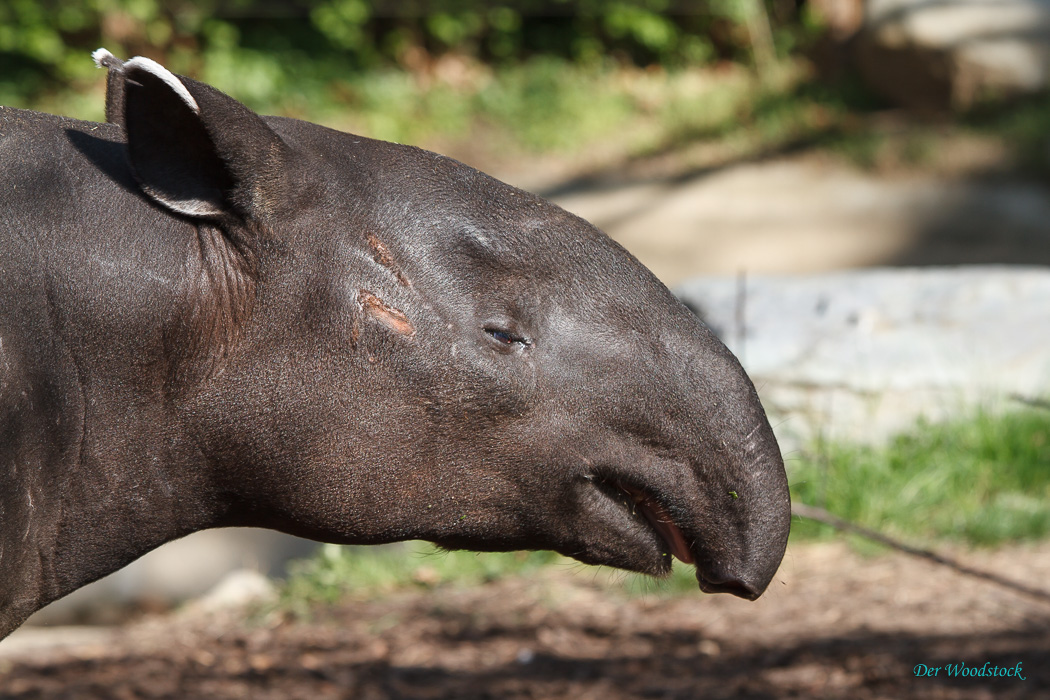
{"points": [[212, 318]]}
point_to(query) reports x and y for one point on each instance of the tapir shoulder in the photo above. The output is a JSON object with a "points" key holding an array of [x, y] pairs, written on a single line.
{"points": [[25, 133], [62, 179], [49, 162]]}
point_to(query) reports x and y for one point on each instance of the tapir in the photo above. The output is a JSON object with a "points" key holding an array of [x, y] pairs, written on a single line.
{"points": [[212, 318]]}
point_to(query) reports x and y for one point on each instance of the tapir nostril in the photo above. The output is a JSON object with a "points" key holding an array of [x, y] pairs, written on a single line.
{"points": [[728, 584]]}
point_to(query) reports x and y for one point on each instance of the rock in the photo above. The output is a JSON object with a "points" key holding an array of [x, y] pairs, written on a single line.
{"points": [[236, 590], [860, 355], [933, 56]]}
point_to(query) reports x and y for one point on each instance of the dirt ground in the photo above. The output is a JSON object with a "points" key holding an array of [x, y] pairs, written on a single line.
{"points": [[834, 624]]}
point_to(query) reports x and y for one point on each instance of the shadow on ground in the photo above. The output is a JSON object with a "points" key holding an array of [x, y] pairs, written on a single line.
{"points": [[458, 655], [790, 210]]}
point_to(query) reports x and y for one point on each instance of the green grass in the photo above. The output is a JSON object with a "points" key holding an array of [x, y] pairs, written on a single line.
{"points": [[367, 572], [552, 106], [982, 481]]}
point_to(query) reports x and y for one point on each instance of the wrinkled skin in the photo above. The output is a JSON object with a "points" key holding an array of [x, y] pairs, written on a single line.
{"points": [[212, 319]]}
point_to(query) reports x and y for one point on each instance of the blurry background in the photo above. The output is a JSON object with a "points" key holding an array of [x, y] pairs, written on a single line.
{"points": [[820, 134], [853, 194]]}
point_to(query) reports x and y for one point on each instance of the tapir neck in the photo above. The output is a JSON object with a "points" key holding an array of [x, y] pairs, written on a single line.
{"points": [[129, 507], [107, 511]]}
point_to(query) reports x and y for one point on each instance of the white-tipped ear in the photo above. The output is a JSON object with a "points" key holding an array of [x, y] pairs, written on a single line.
{"points": [[104, 59], [114, 85], [169, 79]]}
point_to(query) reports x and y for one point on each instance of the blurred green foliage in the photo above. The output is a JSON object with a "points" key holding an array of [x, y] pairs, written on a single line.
{"points": [[264, 47], [638, 77]]}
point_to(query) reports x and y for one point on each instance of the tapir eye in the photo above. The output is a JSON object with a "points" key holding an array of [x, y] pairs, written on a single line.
{"points": [[506, 337]]}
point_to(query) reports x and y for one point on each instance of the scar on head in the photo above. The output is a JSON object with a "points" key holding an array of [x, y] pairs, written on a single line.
{"points": [[390, 317], [382, 256]]}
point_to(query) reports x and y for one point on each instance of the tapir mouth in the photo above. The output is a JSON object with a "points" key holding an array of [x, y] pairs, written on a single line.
{"points": [[659, 518], [662, 522]]}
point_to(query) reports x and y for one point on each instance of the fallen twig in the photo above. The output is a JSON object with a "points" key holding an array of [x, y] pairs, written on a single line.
{"points": [[823, 516], [1029, 401]]}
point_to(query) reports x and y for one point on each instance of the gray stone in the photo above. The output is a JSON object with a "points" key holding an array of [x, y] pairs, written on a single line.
{"points": [[237, 589], [860, 355]]}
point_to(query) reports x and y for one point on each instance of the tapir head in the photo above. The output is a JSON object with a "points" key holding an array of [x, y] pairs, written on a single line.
{"points": [[378, 343]]}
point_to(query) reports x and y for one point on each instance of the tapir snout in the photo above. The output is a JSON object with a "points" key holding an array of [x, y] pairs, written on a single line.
{"points": [[213, 318]]}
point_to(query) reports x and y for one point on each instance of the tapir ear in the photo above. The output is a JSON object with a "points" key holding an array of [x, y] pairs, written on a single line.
{"points": [[114, 85], [196, 150]]}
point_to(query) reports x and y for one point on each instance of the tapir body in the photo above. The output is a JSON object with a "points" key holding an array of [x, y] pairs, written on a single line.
{"points": [[211, 318]]}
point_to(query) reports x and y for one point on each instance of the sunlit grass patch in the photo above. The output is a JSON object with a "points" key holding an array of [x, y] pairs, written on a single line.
{"points": [[369, 572], [366, 572], [984, 480]]}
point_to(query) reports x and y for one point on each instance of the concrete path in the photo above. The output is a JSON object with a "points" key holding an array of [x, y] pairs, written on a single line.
{"points": [[811, 215]]}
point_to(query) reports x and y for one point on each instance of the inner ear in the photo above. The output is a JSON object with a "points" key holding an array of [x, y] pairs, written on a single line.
{"points": [[171, 151], [394, 319], [198, 151]]}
